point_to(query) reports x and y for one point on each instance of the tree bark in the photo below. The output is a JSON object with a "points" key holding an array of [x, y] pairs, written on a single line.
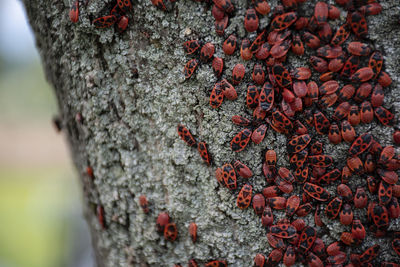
{"points": [[127, 133]]}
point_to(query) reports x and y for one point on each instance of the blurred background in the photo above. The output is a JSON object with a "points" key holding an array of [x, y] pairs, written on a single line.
{"points": [[41, 221]]}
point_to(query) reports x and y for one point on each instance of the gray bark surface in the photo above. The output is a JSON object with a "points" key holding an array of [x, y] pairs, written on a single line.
{"points": [[128, 132]]}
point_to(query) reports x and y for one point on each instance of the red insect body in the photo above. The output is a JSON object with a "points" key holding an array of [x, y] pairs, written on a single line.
{"points": [[101, 216], [229, 176], [283, 21], [358, 230], [333, 208], [358, 24], [244, 197], [341, 35], [220, 25], [190, 68], [217, 95], [283, 230], [242, 170], [316, 192], [144, 204], [258, 203], [251, 20], [104, 22], [230, 44], [218, 66], [203, 151], [193, 231], [162, 221], [267, 217], [384, 116], [307, 239], [245, 51], [186, 136], [238, 73], [170, 232], [74, 12]]}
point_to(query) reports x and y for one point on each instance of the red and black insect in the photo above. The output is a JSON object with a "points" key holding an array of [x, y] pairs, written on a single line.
{"points": [[242, 170], [316, 192], [298, 160], [225, 5], [258, 75], [320, 160], [144, 204], [383, 115], [259, 133], [348, 132], [191, 46], [267, 217], [292, 204], [251, 20], [170, 232], [283, 21], [358, 24], [228, 89], [207, 52], [162, 220], [240, 141], [282, 121], [319, 64], [238, 73], [266, 97], [333, 208], [192, 263], [101, 216], [259, 260], [193, 231], [252, 97], [283, 230], [229, 45], [190, 68], [286, 175], [74, 12], [351, 66], [186, 136], [220, 25], [203, 151], [104, 22], [358, 230], [258, 203], [244, 197], [322, 123], [307, 239], [359, 49], [218, 66], [281, 76], [298, 143], [321, 13], [311, 40], [245, 51], [217, 95], [229, 176], [341, 35], [361, 144], [216, 264]]}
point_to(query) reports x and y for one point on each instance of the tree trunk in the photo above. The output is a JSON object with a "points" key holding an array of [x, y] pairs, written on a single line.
{"points": [[125, 128]]}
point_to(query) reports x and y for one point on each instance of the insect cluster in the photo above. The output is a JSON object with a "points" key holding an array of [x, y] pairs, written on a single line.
{"points": [[342, 87], [118, 15]]}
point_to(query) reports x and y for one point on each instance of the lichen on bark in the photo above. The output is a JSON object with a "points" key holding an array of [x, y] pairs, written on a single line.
{"points": [[128, 132]]}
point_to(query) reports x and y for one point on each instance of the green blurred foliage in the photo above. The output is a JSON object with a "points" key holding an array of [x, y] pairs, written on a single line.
{"points": [[40, 206], [25, 94], [34, 208]]}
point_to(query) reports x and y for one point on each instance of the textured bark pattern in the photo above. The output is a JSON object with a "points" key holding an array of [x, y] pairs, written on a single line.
{"points": [[128, 133]]}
